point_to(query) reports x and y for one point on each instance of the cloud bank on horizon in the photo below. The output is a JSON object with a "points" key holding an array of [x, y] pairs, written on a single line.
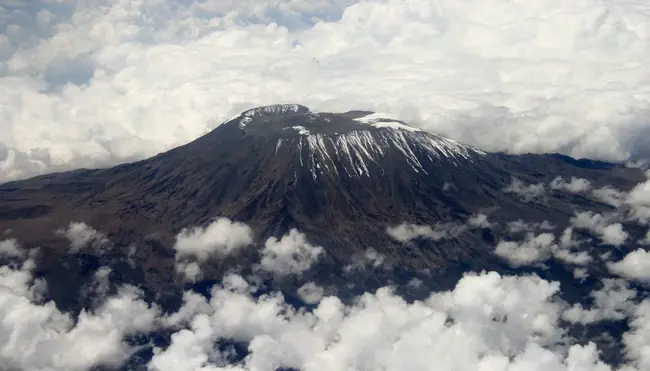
{"points": [[98, 83]]}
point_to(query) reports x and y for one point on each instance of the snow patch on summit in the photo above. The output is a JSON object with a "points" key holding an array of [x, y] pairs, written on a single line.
{"points": [[274, 109], [300, 129], [384, 120]]}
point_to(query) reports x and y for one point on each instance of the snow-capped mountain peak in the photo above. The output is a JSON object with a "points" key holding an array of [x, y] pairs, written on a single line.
{"points": [[354, 143]]}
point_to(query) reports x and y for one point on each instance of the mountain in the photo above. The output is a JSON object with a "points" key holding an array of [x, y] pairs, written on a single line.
{"points": [[342, 179]]}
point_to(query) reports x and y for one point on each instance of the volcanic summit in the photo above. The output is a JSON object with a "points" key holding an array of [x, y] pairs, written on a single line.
{"points": [[342, 179]]}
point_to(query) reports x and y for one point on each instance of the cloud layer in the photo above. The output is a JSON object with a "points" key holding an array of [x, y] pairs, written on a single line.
{"points": [[487, 321], [96, 83]]}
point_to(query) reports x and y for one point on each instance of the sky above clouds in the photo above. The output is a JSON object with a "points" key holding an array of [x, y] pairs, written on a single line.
{"points": [[94, 83]]}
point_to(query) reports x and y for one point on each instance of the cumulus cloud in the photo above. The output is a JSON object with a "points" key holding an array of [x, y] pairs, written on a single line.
{"points": [[527, 192], [415, 283], [479, 221], [310, 293], [519, 226], [373, 258], [565, 250], [291, 254], [37, 336], [609, 196], [406, 232], [82, 236], [193, 304], [486, 322], [614, 301], [98, 286], [637, 341], [369, 259], [639, 201], [580, 274], [608, 231], [442, 230], [116, 81], [219, 239], [576, 185], [534, 249], [9, 249], [19, 279], [634, 266]]}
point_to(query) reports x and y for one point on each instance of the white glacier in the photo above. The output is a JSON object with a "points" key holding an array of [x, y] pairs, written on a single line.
{"points": [[385, 120], [358, 152], [275, 109], [301, 130], [359, 146]]}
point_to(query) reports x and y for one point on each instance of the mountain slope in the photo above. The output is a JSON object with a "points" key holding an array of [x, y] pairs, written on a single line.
{"points": [[342, 179]]}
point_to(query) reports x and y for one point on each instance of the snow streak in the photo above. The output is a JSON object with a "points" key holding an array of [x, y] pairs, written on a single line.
{"points": [[359, 152]]}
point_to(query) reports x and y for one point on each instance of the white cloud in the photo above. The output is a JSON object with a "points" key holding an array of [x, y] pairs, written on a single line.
{"points": [[20, 280], [98, 286], [369, 259], [565, 250], [310, 293], [9, 249], [640, 195], [82, 236], [193, 304], [580, 274], [373, 258], [518, 226], [291, 254], [608, 231], [442, 230], [415, 283], [614, 234], [406, 232], [222, 237], [635, 266], [479, 221], [576, 185], [124, 80], [219, 239], [533, 250], [527, 192], [190, 270], [487, 322], [609, 196], [639, 201], [637, 340], [577, 258], [614, 301], [36, 336]]}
